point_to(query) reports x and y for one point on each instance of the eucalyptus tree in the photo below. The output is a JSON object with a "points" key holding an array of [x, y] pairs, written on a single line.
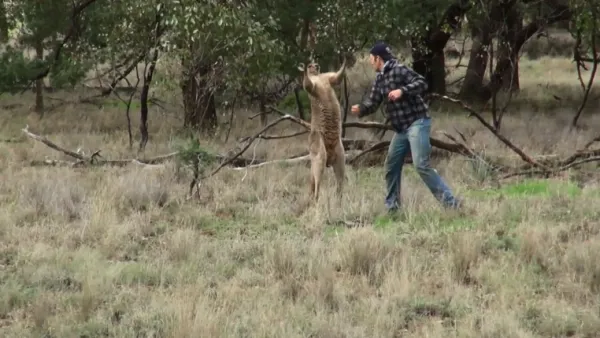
{"points": [[512, 23], [35, 25]]}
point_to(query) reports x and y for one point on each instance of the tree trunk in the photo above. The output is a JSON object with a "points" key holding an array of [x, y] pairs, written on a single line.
{"points": [[263, 110], [297, 90], [431, 64], [428, 50], [476, 68], [200, 111], [513, 24], [3, 23], [144, 100], [438, 72], [39, 84]]}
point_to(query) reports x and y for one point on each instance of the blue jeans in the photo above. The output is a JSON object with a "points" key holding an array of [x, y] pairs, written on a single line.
{"points": [[417, 138]]}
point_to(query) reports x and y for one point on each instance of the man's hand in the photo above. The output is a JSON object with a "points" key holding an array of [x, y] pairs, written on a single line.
{"points": [[395, 95], [355, 109]]}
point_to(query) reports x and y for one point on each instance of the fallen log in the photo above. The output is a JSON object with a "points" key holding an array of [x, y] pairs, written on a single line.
{"points": [[496, 133], [435, 142], [233, 161], [98, 160], [533, 166], [357, 150], [545, 167]]}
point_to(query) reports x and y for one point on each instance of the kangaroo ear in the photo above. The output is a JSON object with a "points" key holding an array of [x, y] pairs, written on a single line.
{"points": [[301, 67]]}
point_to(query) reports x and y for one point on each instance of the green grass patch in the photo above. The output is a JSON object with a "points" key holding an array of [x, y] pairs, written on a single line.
{"points": [[424, 220], [531, 188], [459, 223], [15, 295]]}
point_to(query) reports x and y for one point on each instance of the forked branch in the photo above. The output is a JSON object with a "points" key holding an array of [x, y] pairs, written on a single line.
{"points": [[249, 141], [496, 133], [533, 167], [580, 64], [450, 147], [96, 159]]}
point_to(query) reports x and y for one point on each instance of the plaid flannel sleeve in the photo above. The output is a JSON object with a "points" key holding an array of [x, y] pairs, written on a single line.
{"points": [[369, 106], [413, 82]]}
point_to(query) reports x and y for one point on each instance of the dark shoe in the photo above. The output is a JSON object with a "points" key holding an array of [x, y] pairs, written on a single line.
{"points": [[456, 205]]}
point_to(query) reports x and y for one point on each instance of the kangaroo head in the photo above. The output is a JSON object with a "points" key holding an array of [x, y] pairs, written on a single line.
{"points": [[315, 82]]}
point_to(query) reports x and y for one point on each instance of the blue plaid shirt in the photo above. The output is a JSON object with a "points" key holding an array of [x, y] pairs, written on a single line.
{"points": [[409, 107]]}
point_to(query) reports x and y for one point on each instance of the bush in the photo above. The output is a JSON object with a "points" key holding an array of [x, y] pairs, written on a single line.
{"points": [[288, 104]]}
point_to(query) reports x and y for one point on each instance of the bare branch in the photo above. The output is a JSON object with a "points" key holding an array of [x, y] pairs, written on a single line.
{"points": [[52, 144], [249, 142], [504, 140], [123, 75], [128, 103], [94, 160], [450, 147], [278, 137], [592, 75], [295, 160], [373, 148], [589, 144], [554, 171]]}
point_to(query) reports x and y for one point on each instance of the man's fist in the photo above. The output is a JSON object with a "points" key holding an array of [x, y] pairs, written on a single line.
{"points": [[395, 94], [355, 109]]}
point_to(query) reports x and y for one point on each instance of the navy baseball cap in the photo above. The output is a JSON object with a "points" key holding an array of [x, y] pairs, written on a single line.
{"points": [[382, 50]]}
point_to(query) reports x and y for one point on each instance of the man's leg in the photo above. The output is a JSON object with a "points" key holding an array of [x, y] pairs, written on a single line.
{"points": [[420, 147], [393, 170]]}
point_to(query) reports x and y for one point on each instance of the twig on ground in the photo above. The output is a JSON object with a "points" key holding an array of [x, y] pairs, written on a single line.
{"points": [[11, 140]]}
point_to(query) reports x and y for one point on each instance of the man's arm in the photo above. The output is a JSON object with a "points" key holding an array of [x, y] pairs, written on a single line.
{"points": [[369, 106], [415, 83]]}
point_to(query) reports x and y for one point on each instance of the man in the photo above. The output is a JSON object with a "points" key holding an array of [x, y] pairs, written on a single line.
{"points": [[402, 88]]}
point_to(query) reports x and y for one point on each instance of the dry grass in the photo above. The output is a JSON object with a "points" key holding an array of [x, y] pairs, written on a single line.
{"points": [[119, 252]]}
